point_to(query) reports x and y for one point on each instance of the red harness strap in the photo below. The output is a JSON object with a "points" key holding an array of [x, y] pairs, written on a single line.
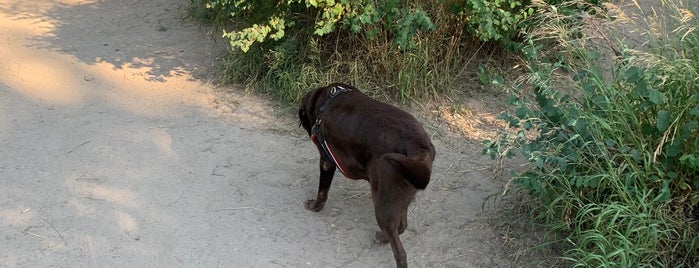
{"points": [[317, 134], [328, 152]]}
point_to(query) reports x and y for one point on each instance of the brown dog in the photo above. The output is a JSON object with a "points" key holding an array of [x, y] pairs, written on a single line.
{"points": [[370, 140]]}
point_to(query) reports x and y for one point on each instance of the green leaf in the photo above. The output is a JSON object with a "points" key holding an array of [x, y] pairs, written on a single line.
{"points": [[673, 148], [601, 102], [594, 54], [664, 193], [498, 80], [695, 111], [562, 164], [522, 112], [690, 161], [662, 122], [656, 96], [636, 155], [588, 86], [684, 186], [688, 129], [355, 28], [633, 74], [685, 158], [539, 163]]}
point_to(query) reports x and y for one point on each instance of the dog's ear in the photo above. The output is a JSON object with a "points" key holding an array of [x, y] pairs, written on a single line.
{"points": [[307, 109], [302, 114], [304, 117]]}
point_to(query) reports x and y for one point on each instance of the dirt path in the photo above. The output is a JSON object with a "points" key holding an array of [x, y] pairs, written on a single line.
{"points": [[113, 153]]}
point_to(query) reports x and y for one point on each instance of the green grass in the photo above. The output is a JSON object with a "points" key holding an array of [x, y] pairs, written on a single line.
{"points": [[615, 134], [438, 63]]}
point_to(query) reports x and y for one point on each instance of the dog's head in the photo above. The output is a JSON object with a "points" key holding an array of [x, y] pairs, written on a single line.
{"points": [[307, 109], [311, 101]]}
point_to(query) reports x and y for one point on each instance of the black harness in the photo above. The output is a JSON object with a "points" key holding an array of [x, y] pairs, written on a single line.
{"points": [[317, 134]]}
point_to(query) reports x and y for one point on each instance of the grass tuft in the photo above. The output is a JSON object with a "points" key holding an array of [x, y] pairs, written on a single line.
{"points": [[437, 63], [612, 134]]}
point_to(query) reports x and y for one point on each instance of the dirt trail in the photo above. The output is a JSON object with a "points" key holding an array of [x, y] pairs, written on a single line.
{"points": [[114, 153]]}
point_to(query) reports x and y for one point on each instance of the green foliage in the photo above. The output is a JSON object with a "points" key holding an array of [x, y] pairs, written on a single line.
{"points": [[399, 49], [263, 21], [493, 19], [287, 47], [488, 76], [614, 150], [371, 17], [504, 20]]}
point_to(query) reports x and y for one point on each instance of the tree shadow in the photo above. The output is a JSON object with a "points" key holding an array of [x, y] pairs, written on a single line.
{"points": [[151, 37]]}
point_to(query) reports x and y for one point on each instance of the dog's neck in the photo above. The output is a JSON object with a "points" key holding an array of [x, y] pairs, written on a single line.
{"points": [[317, 134], [334, 92]]}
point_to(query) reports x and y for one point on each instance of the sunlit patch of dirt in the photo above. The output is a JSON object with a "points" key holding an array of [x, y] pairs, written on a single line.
{"points": [[470, 123]]}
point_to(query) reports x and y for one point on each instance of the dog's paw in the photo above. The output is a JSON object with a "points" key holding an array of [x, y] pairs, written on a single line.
{"points": [[313, 205], [380, 237]]}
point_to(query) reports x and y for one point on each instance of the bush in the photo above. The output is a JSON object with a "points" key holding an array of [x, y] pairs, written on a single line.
{"points": [[493, 20], [613, 143], [397, 49], [287, 47]]}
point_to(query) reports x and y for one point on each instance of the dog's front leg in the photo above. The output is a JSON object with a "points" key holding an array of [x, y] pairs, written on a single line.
{"points": [[327, 171]]}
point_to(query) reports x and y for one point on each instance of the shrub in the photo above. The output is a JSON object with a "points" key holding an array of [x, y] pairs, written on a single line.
{"points": [[268, 20], [493, 19], [613, 143], [397, 49], [287, 47]]}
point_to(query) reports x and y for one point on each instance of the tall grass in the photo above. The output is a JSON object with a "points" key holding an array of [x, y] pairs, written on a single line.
{"points": [[615, 135], [436, 64]]}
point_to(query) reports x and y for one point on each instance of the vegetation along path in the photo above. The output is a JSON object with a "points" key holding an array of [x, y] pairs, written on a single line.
{"points": [[114, 151]]}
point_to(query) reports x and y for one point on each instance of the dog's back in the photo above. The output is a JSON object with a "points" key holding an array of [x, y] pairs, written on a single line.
{"points": [[374, 130]]}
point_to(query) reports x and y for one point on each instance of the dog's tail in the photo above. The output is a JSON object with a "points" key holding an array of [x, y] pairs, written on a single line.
{"points": [[416, 167]]}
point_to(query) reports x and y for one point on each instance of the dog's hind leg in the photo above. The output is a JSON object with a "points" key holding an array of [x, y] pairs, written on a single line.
{"points": [[397, 247], [391, 194], [403, 222], [382, 238], [327, 171], [390, 226]]}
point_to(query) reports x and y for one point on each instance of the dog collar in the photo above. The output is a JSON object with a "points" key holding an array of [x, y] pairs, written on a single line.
{"points": [[317, 136], [334, 92]]}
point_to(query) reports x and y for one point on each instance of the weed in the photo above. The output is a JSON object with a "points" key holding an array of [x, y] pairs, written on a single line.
{"points": [[403, 50], [612, 139], [489, 76]]}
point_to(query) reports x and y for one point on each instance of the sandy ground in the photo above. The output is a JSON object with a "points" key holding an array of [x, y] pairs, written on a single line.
{"points": [[116, 152]]}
